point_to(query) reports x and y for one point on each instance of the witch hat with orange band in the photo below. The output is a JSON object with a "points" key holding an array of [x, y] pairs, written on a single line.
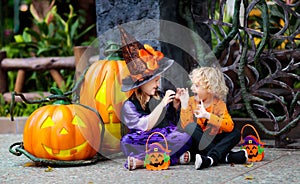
{"points": [[143, 62]]}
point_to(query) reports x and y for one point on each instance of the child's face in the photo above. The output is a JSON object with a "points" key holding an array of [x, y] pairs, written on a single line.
{"points": [[150, 87], [200, 92]]}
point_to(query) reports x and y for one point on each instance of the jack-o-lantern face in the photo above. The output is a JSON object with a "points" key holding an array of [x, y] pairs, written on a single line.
{"points": [[101, 90], [62, 132]]}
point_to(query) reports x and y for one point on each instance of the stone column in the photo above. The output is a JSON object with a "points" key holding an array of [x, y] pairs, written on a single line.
{"points": [[110, 13]]}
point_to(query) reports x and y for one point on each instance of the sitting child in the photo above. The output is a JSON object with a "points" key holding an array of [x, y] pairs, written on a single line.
{"points": [[212, 130]]}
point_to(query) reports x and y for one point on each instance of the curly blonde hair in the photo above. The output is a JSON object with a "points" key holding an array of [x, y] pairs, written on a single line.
{"points": [[212, 79]]}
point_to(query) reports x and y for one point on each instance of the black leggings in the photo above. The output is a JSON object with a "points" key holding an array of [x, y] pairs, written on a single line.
{"points": [[215, 146]]}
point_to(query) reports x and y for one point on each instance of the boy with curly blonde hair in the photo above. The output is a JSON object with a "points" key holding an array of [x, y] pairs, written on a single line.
{"points": [[205, 117]]}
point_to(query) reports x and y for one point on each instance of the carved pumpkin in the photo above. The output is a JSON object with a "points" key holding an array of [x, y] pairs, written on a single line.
{"points": [[157, 157], [62, 132], [101, 90]]}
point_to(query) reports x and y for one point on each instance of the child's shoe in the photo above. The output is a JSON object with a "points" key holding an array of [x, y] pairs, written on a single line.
{"points": [[182, 158], [237, 156], [202, 162]]}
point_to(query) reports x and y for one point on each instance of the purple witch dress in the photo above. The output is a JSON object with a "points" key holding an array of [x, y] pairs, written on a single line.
{"points": [[136, 119]]}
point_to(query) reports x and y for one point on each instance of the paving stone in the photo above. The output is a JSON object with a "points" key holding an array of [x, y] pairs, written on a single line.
{"points": [[278, 166]]}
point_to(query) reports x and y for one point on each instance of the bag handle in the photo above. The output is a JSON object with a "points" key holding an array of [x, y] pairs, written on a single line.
{"points": [[159, 134], [242, 131]]}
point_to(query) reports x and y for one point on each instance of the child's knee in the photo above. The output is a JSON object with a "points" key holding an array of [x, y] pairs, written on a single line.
{"points": [[236, 134], [190, 128]]}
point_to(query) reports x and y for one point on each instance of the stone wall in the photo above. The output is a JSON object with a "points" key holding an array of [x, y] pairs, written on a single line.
{"points": [[110, 13]]}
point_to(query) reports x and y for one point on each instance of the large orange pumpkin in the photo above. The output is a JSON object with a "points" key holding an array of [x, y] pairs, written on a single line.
{"points": [[101, 90], [62, 132]]}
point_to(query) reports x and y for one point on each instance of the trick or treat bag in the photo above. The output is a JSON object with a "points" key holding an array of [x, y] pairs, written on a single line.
{"points": [[253, 145], [157, 156]]}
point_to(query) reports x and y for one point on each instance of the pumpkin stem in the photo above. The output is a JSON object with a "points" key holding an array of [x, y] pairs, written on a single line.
{"points": [[112, 51], [62, 99]]}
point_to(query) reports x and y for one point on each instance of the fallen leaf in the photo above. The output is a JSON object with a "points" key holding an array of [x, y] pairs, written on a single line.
{"points": [[232, 164], [29, 164], [249, 164], [250, 177], [49, 169]]}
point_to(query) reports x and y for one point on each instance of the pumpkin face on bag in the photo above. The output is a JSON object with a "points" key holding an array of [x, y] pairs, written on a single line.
{"points": [[62, 132], [254, 149], [157, 158], [253, 145]]}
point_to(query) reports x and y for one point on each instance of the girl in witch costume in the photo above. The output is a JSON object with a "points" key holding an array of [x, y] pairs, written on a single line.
{"points": [[205, 117], [148, 110]]}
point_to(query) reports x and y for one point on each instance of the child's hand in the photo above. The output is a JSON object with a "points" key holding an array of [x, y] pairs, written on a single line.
{"points": [[169, 96], [201, 112], [183, 95]]}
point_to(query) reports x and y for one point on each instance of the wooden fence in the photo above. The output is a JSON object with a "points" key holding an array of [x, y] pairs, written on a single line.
{"points": [[23, 65]]}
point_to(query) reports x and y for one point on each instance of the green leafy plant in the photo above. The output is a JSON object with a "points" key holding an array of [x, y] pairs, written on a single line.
{"points": [[52, 35], [276, 23], [20, 109]]}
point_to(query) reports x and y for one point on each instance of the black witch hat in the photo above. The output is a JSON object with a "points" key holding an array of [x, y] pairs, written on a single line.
{"points": [[143, 62]]}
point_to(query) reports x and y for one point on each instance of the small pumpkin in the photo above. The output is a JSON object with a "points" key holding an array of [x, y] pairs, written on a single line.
{"points": [[101, 90], [62, 131]]}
